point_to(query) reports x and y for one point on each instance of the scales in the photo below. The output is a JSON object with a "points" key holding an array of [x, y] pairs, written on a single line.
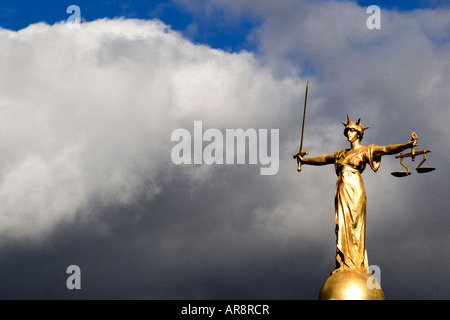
{"points": [[413, 155]]}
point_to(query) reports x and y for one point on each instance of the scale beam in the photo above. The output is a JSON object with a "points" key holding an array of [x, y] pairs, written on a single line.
{"points": [[412, 155]]}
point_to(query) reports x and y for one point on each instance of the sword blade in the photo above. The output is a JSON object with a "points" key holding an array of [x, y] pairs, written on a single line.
{"points": [[301, 153], [304, 117]]}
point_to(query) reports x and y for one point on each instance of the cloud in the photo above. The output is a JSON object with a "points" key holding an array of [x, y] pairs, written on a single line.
{"points": [[87, 114], [395, 80], [86, 120]]}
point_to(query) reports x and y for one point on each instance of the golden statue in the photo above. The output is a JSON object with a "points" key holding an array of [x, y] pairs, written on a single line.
{"points": [[351, 275]]}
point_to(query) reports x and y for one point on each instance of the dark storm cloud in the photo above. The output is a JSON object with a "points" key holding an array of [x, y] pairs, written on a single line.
{"points": [[189, 248]]}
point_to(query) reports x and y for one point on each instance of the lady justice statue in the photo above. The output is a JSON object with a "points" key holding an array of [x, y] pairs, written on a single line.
{"points": [[351, 278]]}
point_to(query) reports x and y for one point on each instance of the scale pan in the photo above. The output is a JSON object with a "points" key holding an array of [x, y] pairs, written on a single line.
{"points": [[400, 173], [424, 169]]}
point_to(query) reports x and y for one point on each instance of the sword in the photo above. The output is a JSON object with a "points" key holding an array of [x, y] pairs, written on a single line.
{"points": [[301, 152]]}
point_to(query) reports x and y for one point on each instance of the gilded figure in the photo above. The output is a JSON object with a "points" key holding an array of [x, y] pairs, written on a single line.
{"points": [[350, 195]]}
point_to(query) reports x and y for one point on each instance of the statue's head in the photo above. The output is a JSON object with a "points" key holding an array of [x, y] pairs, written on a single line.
{"points": [[355, 126]]}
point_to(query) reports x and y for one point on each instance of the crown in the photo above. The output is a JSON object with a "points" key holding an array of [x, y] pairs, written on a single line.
{"points": [[354, 125]]}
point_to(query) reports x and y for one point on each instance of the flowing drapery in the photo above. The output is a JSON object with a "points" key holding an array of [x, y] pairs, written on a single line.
{"points": [[350, 207]]}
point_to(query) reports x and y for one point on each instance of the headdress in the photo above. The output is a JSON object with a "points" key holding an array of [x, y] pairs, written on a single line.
{"points": [[355, 126]]}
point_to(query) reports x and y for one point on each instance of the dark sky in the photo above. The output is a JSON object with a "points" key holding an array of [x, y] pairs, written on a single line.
{"points": [[87, 178]]}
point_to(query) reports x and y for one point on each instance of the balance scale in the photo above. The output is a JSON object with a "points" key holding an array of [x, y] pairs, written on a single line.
{"points": [[412, 155]]}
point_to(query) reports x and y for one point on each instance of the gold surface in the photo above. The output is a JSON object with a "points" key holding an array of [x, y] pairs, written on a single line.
{"points": [[351, 285], [301, 152], [350, 279], [350, 195], [413, 155]]}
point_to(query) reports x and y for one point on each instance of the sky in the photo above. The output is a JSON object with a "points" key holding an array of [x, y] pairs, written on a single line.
{"points": [[87, 117]]}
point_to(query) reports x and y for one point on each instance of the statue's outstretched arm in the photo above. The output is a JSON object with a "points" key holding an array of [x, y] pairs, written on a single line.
{"points": [[318, 160], [395, 148]]}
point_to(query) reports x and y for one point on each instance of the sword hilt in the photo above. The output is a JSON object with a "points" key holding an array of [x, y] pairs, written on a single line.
{"points": [[299, 164]]}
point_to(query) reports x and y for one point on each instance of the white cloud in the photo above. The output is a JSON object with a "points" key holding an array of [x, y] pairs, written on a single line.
{"points": [[86, 115]]}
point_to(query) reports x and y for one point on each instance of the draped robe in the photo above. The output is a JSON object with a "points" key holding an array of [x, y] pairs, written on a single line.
{"points": [[350, 207]]}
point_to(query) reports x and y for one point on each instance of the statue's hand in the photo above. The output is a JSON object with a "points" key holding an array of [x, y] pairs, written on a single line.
{"points": [[413, 139], [299, 156], [300, 159]]}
